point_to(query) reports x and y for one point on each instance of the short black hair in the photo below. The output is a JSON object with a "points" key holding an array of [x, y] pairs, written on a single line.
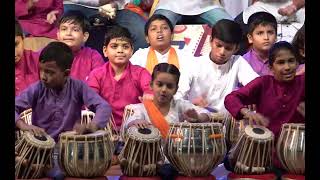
{"points": [[18, 28], [118, 32], [281, 45], [76, 17], [58, 52], [261, 18], [298, 43], [227, 30], [167, 68], [155, 17]]}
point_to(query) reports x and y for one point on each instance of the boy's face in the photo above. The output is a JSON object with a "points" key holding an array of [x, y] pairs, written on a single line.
{"points": [[284, 66], [164, 87], [221, 51], [18, 49], [52, 76], [72, 34], [262, 38], [118, 51], [159, 35]]}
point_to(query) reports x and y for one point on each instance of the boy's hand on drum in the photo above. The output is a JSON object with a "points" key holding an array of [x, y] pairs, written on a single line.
{"points": [[191, 115], [200, 101], [139, 123], [80, 128], [92, 126], [253, 116], [301, 108], [33, 129]]}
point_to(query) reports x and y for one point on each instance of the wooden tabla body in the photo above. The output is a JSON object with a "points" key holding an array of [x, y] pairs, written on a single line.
{"points": [[86, 118], [195, 149], [234, 129], [26, 116], [291, 147], [253, 151], [128, 111], [33, 155], [87, 155], [142, 152]]}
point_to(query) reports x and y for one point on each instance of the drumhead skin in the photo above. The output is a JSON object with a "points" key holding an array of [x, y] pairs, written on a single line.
{"points": [[150, 134], [44, 142], [258, 132]]}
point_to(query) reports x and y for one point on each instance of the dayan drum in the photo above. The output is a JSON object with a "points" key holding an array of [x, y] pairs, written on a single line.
{"points": [[142, 152], [26, 117], [86, 118], [253, 152], [291, 147], [195, 149], [33, 155], [86, 155]]}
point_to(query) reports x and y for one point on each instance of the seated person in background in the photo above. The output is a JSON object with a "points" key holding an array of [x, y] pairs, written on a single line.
{"points": [[26, 63], [38, 17], [74, 31], [164, 109], [279, 98], [219, 72], [118, 81], [262, 34], [191, 12], [298, 43], [57, 99], [113, 11]]}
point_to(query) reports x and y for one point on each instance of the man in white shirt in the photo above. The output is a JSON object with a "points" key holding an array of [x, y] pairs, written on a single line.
{"points": [[201, 11], [218, 73]]}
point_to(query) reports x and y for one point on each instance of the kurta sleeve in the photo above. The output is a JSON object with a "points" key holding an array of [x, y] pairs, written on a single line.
{"points": [[21, 8], [246, 95], [245, 72], [58, 5], [96, 104], [145, 79], [94, 81]]}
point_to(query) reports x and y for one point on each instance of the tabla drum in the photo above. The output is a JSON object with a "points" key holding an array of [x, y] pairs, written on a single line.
{"points": [[33, 155], [291, 147], [128, 111], [86, 118], [86, 155], [234, 129], [26, 116], [219, 117], [195, 149], [253, 151], [142, 154]]}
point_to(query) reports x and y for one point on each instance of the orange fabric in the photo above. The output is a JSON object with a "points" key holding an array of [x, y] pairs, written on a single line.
{"points": [[156, 118], [152, 60], [136, 9]]}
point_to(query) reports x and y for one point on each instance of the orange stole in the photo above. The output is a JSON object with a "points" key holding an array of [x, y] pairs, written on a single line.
{"points": [[156, 118], [152, 60]]}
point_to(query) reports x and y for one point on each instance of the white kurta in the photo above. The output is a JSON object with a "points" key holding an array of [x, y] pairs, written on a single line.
{"points": [[214, 82], [188, 7], [175, 114]]}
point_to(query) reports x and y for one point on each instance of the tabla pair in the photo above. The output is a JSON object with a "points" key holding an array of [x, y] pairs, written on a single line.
{"points": [[194, 149], [252, 154]]}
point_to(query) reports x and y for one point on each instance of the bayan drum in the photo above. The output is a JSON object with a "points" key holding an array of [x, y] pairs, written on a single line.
{"points": [[86, 155], [195, 149], [291, 147], [252, 154], [142, 153], [33, 155]]}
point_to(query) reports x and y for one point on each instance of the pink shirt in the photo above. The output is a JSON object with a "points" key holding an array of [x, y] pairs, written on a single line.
{"points": [[26, 71], [134, 82], [34, 20], [84, 62]]}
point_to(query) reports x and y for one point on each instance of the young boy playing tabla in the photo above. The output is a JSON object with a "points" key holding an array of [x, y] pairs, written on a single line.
{"points": [[74, 31], [262, 34], [57, 99], [218, 73], [26, 63]]}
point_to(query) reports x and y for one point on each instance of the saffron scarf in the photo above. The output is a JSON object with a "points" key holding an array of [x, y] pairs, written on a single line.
{"points": [[156, 118], [152, 60]]}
